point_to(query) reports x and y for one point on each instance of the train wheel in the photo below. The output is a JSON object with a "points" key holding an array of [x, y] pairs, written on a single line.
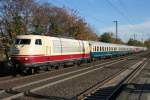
{"points": [[60, 66], [79, 63], [31, 71], [93, 59], [89, 60], [14, 70], [75, 63], [56, 66], [48, 68]]}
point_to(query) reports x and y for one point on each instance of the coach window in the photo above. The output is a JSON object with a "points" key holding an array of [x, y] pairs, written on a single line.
{"points": [[95, 48], [38, 42]]}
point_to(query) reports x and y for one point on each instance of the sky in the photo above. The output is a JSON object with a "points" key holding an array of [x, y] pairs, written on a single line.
{"points": [[133, 16]]}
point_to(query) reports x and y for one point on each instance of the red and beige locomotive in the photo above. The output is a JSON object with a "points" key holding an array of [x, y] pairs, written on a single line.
{"points": [[33, 51]]}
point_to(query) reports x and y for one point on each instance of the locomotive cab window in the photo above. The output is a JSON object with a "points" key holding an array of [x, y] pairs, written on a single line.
{"points": [[22, 41], [38, 42]]}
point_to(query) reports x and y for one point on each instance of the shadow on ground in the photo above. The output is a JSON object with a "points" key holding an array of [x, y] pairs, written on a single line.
{"points": [[137, 88], [45, 97], [5, 68], [104, 93]]}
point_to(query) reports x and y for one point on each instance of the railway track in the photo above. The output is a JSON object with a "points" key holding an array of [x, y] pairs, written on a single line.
{"points": [[101, 91], [8, 78], [12, 89], [24, 89]]}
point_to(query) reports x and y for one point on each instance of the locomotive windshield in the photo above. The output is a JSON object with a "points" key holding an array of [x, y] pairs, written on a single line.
{"points": [[23, 41]]}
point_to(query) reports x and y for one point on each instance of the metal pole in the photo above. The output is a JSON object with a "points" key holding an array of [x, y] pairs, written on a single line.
{"points": [[116, 24]]}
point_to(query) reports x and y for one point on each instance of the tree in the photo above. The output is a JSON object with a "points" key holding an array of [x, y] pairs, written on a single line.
{"points": [[19, 17], [135, 42], [16, 15], [147, 43], [107, 37], [118, 41]]}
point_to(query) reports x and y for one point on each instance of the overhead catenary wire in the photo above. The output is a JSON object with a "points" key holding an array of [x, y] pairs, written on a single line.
{"points": [[124, 15], [119, 11]]}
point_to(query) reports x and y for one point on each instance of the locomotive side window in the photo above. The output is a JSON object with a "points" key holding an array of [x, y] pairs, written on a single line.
{"points": [[22, 41], [38, 42]]}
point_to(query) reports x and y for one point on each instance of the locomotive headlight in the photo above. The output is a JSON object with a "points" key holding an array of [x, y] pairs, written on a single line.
{"points": [[26, 58], [9, 58]]}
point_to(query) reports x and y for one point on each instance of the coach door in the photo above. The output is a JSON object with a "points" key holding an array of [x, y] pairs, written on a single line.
{"points": [[48, 50], [47, 47], [83, 50]]}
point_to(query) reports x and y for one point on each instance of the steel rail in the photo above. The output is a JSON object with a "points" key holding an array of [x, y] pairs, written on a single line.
{"points": [[97, 86], [56, 82]]}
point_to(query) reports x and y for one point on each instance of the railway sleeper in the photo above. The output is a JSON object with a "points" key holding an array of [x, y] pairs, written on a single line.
{"points": [[11, 91], [94, 98]]}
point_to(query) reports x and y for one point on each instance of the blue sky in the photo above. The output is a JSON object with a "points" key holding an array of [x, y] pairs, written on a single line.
{"points": [[133, 15]]}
